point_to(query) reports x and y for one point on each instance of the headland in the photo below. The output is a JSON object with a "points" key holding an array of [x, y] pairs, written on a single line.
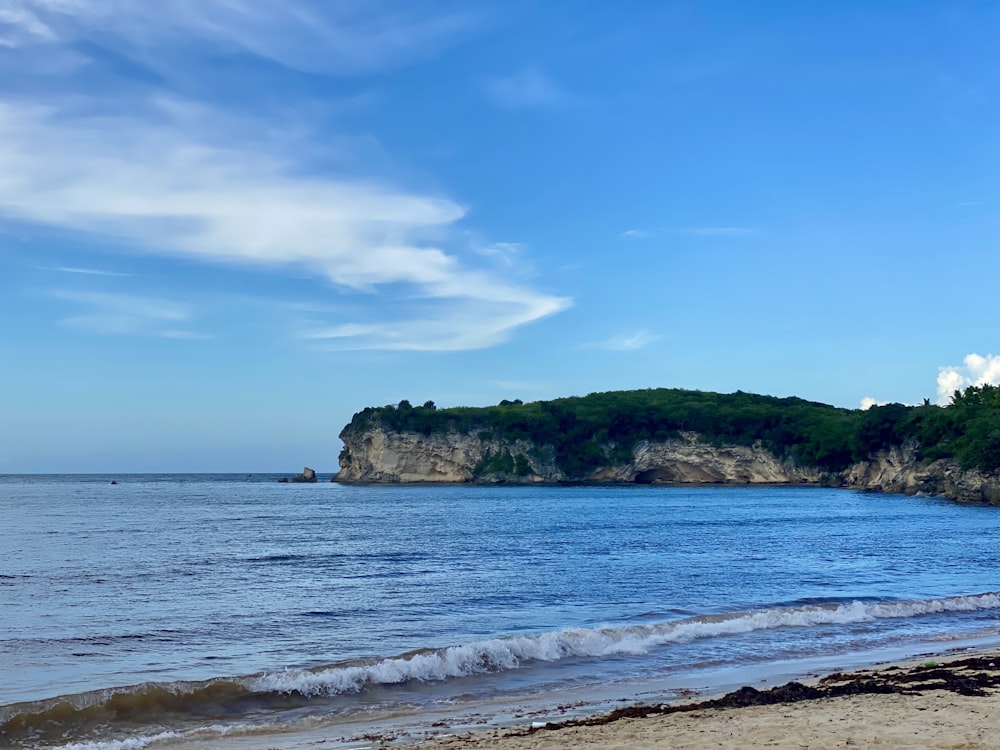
{"points": [[671, 436]]}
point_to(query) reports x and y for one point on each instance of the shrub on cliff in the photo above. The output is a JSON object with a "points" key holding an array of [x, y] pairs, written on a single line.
{"points": [[588, 431]]}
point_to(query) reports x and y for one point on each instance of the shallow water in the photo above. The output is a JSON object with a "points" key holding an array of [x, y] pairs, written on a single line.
{"points": [[172, 603]]}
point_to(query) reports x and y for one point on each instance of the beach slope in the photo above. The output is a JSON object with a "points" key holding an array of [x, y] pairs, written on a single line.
{"points": [[952, 705]]}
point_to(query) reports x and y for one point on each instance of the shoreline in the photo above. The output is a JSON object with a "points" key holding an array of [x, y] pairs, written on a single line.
{"points": [[829, 484], [909, 693], [912, 703]]}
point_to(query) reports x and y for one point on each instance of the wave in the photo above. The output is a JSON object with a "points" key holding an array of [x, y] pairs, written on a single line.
{"points": [[130, 743], [502, 654], [165, 704]]}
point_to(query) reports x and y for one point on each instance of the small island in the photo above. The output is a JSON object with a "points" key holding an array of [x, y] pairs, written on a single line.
{"points": [[676, 436]]}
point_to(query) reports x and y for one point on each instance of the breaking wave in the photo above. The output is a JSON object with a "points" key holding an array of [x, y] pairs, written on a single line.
{"points": [[132, 743], [501, 654], [155, 704]]}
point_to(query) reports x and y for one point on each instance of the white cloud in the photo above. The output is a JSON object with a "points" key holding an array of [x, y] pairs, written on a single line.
{"points": [[463, 323], [166, 190], [185, 335], [506, 253], [20, 27], [84, 271], [308, 35], [528, 89], [128, 314], [717, 231], [627, 342], [977, 370], [868, 402], [151, 173], [638, 234]]}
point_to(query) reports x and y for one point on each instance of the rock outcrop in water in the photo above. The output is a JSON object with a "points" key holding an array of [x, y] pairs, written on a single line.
{"points": [[377, 454], [308, 476]]}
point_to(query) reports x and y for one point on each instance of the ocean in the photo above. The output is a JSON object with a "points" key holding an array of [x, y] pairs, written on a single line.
{"points": [[171, 608]]}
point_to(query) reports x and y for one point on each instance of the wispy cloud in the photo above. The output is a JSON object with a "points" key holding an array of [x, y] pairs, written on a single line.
{"points": [[528, 89], [186, 335], [507, 253], [20, 26], [308, 35], [637, 234], [128, 314], [476, 313], [161, 191], [83, 271], [975, 370], [721, 231], [165, 175], [717, 231], [627, 342]]}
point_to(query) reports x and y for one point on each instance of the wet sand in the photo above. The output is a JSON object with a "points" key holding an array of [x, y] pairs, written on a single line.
{"points": [[954, 704], [946, 701]]}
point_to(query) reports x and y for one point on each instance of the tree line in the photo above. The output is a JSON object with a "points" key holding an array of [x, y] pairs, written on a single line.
{"points": [[589, 431]]}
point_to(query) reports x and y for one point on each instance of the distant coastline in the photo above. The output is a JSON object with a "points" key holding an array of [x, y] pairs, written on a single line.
{"points": [[640, 437]]}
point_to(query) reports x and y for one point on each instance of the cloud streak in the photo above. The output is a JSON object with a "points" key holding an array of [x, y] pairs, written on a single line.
{"points": [[82, 271], [720, 231], [527, 89], [160, 190], [318, 37], [125, 314], [151, 173], [627, 342]]}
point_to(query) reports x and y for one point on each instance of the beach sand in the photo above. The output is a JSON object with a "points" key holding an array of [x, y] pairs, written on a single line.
{"points": [[950, 701], [933, 712], [933, 720]]}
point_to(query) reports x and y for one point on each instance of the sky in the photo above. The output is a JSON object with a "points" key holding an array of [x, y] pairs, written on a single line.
{"points": [[227, 225]]}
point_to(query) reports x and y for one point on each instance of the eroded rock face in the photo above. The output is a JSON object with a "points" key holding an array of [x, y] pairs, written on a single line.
{"points": [[898, 470], [379, 455], [690, 461]]}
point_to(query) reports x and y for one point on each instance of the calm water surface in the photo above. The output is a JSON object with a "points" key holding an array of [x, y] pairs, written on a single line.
{"points": [[172, 604]]}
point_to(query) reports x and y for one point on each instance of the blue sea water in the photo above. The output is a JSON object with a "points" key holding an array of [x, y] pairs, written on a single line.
{"points": [[165, 605]]}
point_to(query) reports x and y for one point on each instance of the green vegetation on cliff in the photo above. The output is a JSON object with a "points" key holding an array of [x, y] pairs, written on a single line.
{"points": [[588, 431]]}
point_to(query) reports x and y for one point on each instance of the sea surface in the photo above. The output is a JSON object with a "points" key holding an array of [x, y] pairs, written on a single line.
{"points": [[169, 607]]}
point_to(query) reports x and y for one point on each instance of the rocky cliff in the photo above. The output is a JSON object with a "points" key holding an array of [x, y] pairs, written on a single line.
{"points": [[898, 470], [380, 455]]}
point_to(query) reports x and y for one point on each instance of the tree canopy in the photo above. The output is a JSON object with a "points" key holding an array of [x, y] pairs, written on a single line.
{"points": [[588, 431]]}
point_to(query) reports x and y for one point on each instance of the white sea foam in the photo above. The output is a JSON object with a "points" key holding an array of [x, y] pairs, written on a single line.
{"points": [[132, 743], [501, 654]]}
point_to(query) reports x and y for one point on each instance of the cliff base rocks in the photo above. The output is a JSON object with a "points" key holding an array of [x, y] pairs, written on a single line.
{"points": [[380, 455]]}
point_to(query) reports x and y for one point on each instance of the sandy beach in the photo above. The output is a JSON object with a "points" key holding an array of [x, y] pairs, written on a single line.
{"points": [[948, 701], [954, 704]]}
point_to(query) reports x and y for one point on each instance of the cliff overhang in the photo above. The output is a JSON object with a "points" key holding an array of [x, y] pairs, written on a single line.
{"points": [[376, 454]]}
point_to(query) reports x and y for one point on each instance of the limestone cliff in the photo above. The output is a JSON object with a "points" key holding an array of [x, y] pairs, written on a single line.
{"points": [[691, 461], [380, 455], [898, 470]]}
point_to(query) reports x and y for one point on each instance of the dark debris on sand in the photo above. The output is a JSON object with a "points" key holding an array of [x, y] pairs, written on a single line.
{"points": [[972, 676]]}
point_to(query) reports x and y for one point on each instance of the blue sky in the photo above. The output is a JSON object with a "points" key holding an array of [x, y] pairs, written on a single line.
{"points": [[226, 226]]}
